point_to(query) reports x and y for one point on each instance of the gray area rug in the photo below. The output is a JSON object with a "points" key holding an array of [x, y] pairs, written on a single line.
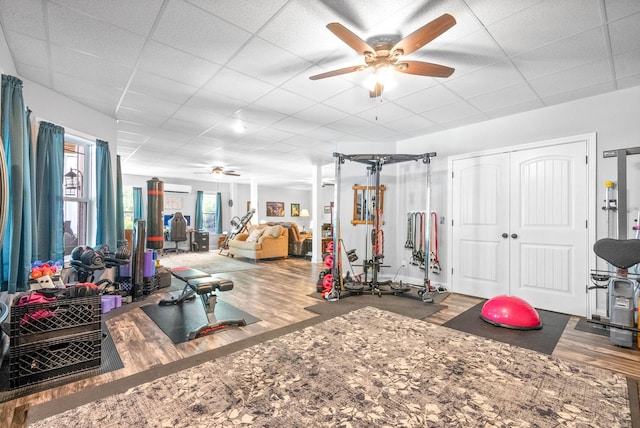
{"points": [[370, 368], [209, 262]]}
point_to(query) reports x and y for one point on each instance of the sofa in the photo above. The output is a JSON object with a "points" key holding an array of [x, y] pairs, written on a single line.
{"points": [[261, 241]]}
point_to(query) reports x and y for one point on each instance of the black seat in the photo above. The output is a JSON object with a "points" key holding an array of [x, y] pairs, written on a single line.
{"points": [[177, 232], [620, 253]]}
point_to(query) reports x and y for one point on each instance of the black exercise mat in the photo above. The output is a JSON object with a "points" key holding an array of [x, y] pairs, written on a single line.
{"points": [[543, 340], [590, 327], [109, 361], [176, 321], [412, 308]]}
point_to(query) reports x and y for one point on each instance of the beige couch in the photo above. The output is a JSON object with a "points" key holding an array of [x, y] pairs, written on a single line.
{"points": [[261, 242]]}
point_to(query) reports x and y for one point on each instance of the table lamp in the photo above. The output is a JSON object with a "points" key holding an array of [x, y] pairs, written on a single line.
{"points": [[304, 213]]}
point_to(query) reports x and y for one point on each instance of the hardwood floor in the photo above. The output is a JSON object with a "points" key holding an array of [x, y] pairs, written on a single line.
{"points": [[277, 292]]}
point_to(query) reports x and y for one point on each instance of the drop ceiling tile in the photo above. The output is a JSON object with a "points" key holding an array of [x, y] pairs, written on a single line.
{"points": [[577, 93], [490, 11], [238, 85], [300, 29], [136, 101], [190, 128], [144, 118], [429, 99], [628, 82], [384, 112], [504, 97], [81, 65], [175, 64], [205, 119], [352, 101], [521, 32], [35, 74], [625, 34], [572, 79], [465, 121], [494, 77], [258, 115], [266, 61], [273, 134], [294, 125], [378, 133], [627, 63], [284, 102], [131, 139], [75, 87], [137, 16], [76, 31], [26, 17], [411, 123], [321, 114], [451, 112], [350, 125], [28, 50], [161, 87], [617, 9], [564, 54], [244, 13], [515, 108], [217, 40], [216, 103]]}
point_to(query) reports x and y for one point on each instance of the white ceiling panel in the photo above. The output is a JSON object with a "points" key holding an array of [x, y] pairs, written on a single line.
{"points": [[187, 27], [81, 32], [137, 16], [218, 80], [239, 86]]}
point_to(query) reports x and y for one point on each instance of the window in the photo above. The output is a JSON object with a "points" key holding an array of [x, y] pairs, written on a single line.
{"points": [[127, 204], [76, 193], [209, 212]]}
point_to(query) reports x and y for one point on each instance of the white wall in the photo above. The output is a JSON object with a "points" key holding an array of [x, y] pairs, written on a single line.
{"points": [[613, 116], [288, 196]]}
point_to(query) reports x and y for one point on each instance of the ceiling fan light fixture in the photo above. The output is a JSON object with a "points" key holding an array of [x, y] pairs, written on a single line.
{"points": [[382, 75]]}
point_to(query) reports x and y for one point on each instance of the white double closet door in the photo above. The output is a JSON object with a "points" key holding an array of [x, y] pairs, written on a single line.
{"points": [[520, 226]]}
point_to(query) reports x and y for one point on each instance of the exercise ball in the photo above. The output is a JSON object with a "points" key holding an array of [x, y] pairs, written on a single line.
{"points": [[510, 312]]}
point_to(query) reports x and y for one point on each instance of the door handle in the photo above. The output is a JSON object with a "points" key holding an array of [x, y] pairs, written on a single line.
{"points": [[514, 235], [505, 235]]}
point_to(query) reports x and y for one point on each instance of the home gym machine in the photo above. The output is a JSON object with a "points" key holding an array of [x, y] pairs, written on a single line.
{"points": [[339, 287], [239, 225], [621, 253]]}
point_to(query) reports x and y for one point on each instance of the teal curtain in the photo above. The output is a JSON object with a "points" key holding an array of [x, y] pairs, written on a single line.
{"points": [[105, 200], [119, 202], [34, 216], [17, 245], [48, 191], [199, 220], [218, 212], [138, 210]]}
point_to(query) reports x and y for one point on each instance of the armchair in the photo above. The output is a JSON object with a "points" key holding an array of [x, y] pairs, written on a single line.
{"points": [[177, 231], [297, 245]]}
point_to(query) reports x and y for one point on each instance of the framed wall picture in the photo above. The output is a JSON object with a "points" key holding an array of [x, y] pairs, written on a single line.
{"points": [[295, 210], [275, 209], [327, 209]]}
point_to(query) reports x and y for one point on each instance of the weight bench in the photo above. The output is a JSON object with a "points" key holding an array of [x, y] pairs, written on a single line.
{"points": [[203, 285]]}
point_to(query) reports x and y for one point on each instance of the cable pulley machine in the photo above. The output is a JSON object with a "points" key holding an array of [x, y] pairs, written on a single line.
{"points": [[374, 163]]}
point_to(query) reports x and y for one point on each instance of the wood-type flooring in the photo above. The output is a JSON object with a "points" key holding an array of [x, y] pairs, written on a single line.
{"points": [[277, 292]]}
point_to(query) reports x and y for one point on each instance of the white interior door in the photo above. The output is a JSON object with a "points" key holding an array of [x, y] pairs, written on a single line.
{"points": [[480, 190], [519, 226], [548, 231]]}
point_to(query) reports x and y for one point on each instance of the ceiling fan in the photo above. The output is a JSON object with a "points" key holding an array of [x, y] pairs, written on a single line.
{"points": [[385, 55], [221, 171]]}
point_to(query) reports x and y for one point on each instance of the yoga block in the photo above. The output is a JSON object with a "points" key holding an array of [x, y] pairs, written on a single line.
{"points": [[110, 302]]}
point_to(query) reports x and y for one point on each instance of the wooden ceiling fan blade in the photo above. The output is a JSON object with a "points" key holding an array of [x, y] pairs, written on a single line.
{"points": [[424, 34], [338, 72], [421, 68], [347, 36]]}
